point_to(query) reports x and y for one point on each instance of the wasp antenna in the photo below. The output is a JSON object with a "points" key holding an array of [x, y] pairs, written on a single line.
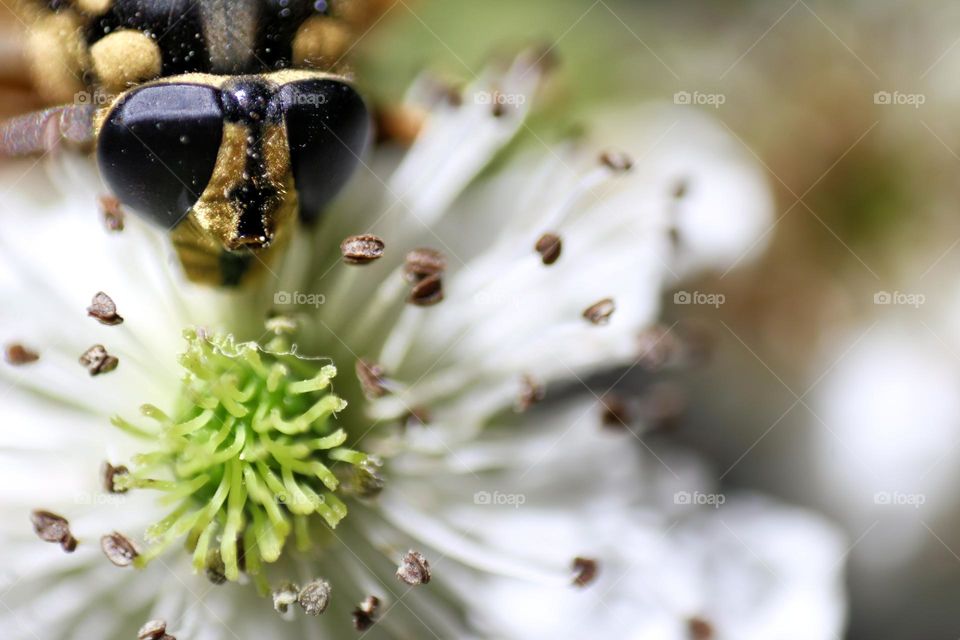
{"points": [[44, 131]]}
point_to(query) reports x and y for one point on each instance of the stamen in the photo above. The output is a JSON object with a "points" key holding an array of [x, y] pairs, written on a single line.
{"points": [[414, 569], [617, 161], [103, 309], [18, 355], [98, 361], [656, 347], [599, 313], [423, 263], [119, 549], [113, 215], [285, 596], [531, 393], [372, 379], [53, 528], [427, 292], [366, 613], [362, 249], [154, 630], [314, 597], [549, 247], [700, 629], [616, 414], [585, 571], [110, 475]]}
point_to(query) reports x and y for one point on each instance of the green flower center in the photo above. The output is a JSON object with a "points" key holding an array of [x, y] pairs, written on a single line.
{"points": [[248, 458]]}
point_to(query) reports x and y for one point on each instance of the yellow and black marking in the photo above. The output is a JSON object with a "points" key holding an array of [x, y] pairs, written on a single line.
{"points": [[229, 163]]}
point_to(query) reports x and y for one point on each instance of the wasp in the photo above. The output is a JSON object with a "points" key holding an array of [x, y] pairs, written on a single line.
{"points": [[226, 122]]}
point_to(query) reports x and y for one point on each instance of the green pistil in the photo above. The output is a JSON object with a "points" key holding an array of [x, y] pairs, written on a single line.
{"points": [[248, 458]]}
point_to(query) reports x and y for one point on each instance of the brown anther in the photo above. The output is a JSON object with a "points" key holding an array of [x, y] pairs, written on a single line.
{"points": [[400, 124], [18, 355], [662, 405], [154, 630], [585, 571], [314, 597], [549, 247], [414, 569], [367, 482], [427, 292], [119, 549], [499, 105], [600, 312], [104, 310], [680, 189], [700, 629], [423, 263], [418, 416], [617, 161], [372, 377], [113, 215], [285, 596], [214, 568], [362, 249], [98, 361], [366, 613], [616, 414], [109, 475], [53, 528], [531, 392], [656, 347]]}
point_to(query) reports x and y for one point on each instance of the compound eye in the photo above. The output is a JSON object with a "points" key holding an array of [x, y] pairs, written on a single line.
{"points": [[328, 127], [158, 147]]}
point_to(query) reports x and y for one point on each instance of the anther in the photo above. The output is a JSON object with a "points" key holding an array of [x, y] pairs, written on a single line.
{"points": [[98, 361], [154, 630], [103, 309], [600, 312], [366, 613], [314, 597], [700, 629], [109, 475], [285, 596], [616, 161], [18, 355], [585, 571], [616, 414], [362, 249], [113, 215], [427, 292], [414, 569], [531, 392], [119, 549], [372, 378], [423, 263], [549, 247], [53, 528]]}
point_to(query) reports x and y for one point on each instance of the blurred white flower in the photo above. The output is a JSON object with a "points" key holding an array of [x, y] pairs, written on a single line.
{"points": [[504, 319]]}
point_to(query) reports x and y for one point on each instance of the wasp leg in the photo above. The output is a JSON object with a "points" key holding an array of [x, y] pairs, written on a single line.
{"points": [[46, 130]]}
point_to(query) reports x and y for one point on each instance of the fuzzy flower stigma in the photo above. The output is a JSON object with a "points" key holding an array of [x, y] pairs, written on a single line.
{"points": [[251, 456]]}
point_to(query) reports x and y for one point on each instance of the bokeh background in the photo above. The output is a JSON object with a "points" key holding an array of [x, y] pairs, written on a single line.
{"points": [[834, 372], [834, 379]]}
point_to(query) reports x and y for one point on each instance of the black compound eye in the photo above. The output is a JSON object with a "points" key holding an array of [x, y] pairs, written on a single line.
{"points": [[328, 127], [158, 147]]}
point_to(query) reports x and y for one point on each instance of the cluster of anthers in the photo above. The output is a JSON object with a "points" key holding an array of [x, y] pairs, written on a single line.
{"points": [[248, 459]]}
